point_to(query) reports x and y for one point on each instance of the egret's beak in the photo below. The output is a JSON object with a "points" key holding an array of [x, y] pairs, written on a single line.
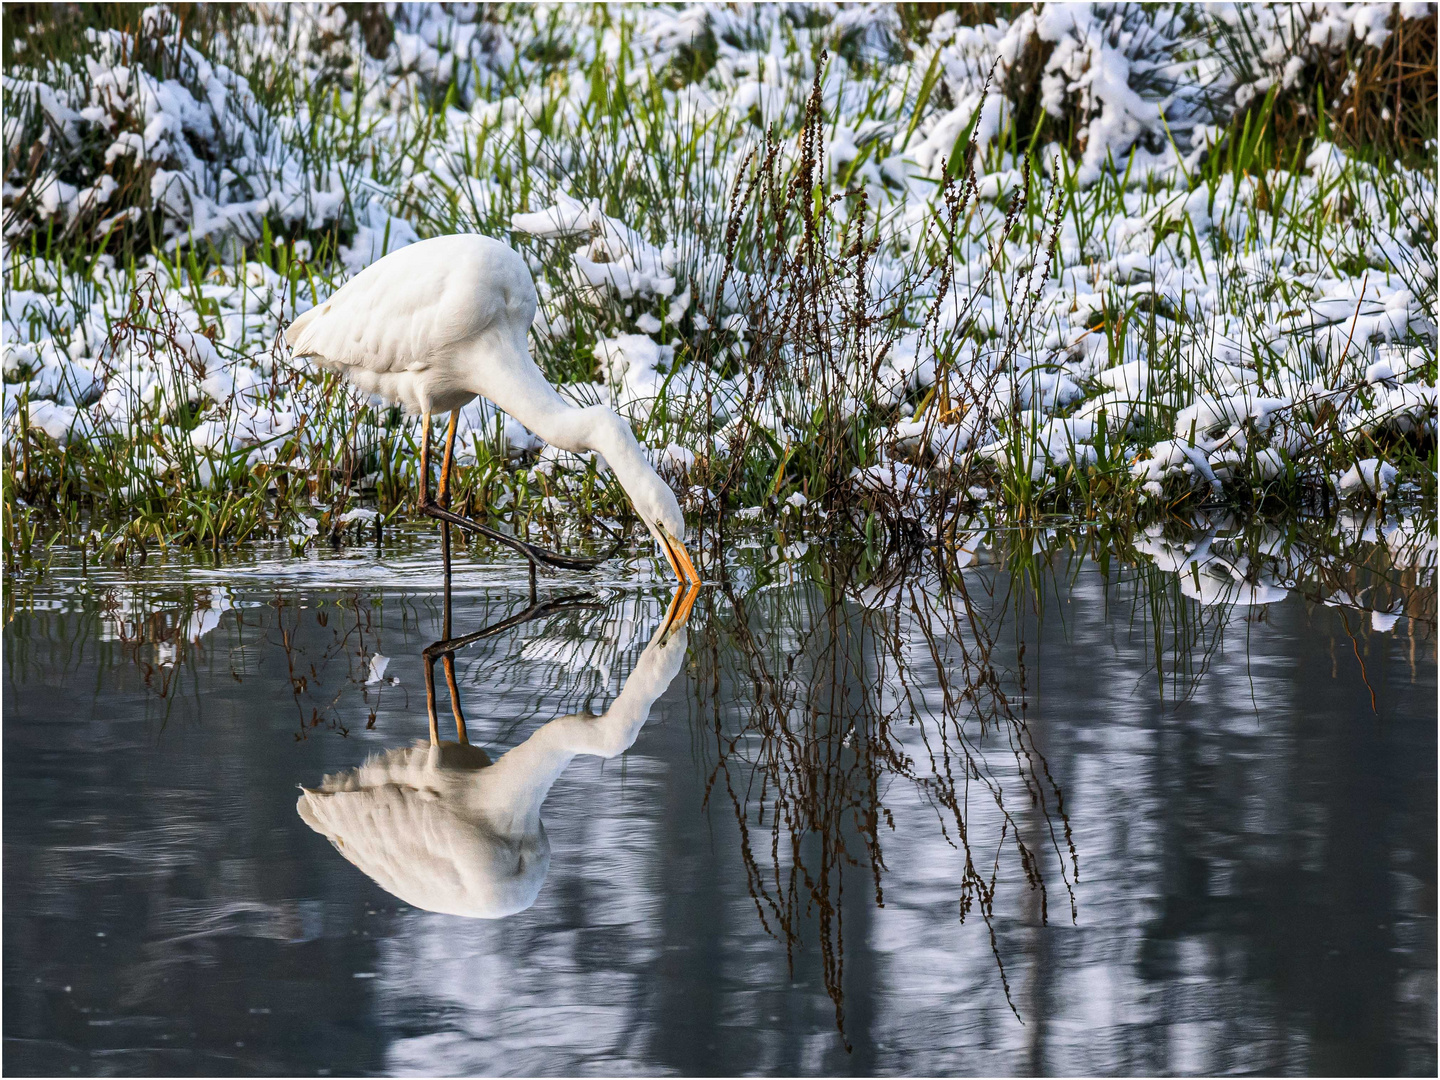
{"points": [[680, 606], [678, 557]]}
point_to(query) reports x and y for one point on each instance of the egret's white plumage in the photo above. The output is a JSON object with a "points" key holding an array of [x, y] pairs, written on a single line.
{"points": [[432, 326], [444, 830], [438, 323]]}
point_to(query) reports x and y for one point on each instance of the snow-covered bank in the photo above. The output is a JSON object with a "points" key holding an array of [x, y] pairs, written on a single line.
{"points": [[1213, 323]]}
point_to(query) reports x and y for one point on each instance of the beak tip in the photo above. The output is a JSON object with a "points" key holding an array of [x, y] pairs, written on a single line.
{"points": [[678, 558], [691, 575]]}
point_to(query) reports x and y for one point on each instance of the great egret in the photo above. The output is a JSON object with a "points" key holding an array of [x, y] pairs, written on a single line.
{"points": [[445, 830], [436, 324]]}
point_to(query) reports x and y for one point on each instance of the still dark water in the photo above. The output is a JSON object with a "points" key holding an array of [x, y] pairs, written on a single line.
{"points": [[1055, 805]]}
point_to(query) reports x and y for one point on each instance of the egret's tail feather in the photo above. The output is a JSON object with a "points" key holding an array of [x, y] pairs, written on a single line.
{"points": [[296, 328]]}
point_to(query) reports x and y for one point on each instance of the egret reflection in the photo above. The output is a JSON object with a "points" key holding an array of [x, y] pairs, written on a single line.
{"points": [[441, 826]]}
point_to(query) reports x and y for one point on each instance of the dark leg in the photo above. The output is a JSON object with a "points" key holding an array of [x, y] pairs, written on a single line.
{"points": [[431, 508], [445, 559], [444, 501], [528, 550], [448, 660], [445, 650], [445, 565]]}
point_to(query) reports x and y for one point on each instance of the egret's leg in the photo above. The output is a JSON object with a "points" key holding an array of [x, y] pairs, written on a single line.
{"points": [[448, 660], [461, 735], [445, 551], [424, 460], [432, 508], [444, 494], [445, 631], [430, 701], [444, 500]]}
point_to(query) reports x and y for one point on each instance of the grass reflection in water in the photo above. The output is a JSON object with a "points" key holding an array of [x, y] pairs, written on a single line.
{"points": [[825, 687]]}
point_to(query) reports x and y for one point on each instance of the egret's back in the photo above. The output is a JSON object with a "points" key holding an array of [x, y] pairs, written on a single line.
{"points": [[405, 328], [407, 823]]}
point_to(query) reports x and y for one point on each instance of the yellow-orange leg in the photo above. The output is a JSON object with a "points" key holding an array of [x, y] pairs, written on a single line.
{"points": [[443, 497], [461, 735], [444, 494], [424, 458]]}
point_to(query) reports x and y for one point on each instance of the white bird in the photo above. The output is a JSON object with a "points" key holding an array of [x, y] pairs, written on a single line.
{"points": [[443, 829], [436, 324]]}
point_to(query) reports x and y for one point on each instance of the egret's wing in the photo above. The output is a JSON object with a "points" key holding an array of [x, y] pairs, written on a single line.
{"points": [[401, 837], [415, 846], [403, 822], [413, 307]]}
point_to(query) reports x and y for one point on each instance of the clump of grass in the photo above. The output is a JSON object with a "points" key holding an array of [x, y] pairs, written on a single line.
{"points": [[1376, 99], [818, 721]]}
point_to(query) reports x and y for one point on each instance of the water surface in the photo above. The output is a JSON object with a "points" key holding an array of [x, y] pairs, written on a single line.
{"points": [[1045, 805]]}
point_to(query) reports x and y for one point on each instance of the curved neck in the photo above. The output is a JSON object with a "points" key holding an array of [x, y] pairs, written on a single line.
{"points": [[510, 792], [610, 436], [514, 384]]}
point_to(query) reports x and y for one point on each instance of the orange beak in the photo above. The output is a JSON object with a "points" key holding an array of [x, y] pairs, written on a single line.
{"points": [[679, 559], [680, 606]]}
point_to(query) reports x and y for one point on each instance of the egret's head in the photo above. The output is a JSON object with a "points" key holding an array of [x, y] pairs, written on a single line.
{"points": [[611, 437], [660, 510]]}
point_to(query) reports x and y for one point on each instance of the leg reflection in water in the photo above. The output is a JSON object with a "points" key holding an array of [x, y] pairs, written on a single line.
{"points": [[442, 827]]}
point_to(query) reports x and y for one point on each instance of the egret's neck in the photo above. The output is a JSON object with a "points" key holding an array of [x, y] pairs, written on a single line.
{"points": [[507, 375], [510, 792], [610, 437]]}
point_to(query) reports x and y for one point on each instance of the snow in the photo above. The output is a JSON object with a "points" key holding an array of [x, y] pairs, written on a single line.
{"points": [[1370, 475], [1174, 457], [55, 420], [1256, 331], [633, 368], [617, 258]]}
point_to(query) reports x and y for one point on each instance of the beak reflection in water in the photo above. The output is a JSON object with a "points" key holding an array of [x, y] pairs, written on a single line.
{"points": [[443, 828]]}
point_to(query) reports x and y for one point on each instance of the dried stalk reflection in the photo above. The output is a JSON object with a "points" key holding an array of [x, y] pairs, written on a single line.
{"points": [[816, 700]]}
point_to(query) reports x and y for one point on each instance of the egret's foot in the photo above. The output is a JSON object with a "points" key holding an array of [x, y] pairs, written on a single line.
{"points": [[574, 602], [533, 552]]}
